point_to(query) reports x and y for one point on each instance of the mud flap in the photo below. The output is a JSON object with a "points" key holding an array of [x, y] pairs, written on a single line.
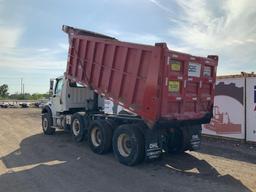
{"points": [[153, 148], [191, 137]]}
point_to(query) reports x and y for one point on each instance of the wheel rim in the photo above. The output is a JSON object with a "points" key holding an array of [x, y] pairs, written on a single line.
{"points": [[76, 127], [96, 136], [45, 124], [124, 145]]}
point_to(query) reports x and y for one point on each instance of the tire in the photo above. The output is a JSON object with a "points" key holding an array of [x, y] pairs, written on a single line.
{"points": [[100, 136], [176, 145], [47, 123], [112, 124], [78, 127], [128, 145]]}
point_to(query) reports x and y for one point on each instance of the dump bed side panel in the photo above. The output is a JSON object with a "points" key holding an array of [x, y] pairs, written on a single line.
{"points": [[189, 85], [126, 73]]}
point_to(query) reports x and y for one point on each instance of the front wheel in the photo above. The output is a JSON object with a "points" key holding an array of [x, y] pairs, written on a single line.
{"points": [[128, 145], [47, 123]]}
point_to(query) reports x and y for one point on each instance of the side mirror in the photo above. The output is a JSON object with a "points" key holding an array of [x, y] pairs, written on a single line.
{"points": [[51, 87]]}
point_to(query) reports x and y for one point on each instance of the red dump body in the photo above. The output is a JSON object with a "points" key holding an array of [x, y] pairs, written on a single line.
{"points": [[152, 81]]}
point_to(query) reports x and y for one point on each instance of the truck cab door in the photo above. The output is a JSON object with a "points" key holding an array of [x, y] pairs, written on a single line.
{"points": [[56, 98]]}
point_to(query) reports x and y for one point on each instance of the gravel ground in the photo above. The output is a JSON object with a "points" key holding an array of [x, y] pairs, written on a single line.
{"points": [[31, 161]]}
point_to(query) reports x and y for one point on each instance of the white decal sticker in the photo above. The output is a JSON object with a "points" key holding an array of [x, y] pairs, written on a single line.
{"points": [[194, 70]]}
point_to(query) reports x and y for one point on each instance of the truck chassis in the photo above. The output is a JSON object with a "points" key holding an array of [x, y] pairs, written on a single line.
{"points": [[131, 140]]}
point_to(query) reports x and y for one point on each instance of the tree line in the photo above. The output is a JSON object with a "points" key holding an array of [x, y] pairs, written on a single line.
{"points": [[4, 94]]}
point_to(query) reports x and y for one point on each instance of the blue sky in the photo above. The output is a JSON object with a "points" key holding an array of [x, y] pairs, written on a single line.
{"points": [[33, 47]]}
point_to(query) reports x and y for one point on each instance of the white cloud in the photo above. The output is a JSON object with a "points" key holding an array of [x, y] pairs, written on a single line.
{"points": [[226, 28], [183, 49], [20, 58], [112, 32], [157, 3], [9, 37], [43, 49], [24, 59], [24, 64], [35, 66], [146, 38], [205, 29], [63, 46]]}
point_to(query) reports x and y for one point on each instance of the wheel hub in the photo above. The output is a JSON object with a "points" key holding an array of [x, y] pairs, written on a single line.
{"points": [[76, 127], [45, 124], [124, 145], [96, 136]]}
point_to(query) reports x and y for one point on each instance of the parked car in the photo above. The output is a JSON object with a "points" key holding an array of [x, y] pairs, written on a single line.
{"points": [[24, 105], [4, 105]]}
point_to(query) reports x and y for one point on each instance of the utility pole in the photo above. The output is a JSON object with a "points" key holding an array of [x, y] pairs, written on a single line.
{"points": [[21, 85]]}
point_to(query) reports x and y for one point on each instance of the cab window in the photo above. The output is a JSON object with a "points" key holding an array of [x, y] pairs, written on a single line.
{"points": [[58, 87], [75, 84]]}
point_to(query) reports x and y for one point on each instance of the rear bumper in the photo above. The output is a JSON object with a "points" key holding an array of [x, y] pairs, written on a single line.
{"points": [[177, 123]]}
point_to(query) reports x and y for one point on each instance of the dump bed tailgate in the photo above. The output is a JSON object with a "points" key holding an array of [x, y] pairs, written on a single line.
{"points": [[189, 85]]}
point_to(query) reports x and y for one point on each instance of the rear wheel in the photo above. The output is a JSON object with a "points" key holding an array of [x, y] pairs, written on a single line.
{"points": [[128, 144], [100, 136], [112, 124], [176, 143], [47, 123], [78, 127]]}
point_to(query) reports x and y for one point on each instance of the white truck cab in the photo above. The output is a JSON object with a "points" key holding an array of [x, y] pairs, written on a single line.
{"points": [[67, 98]]}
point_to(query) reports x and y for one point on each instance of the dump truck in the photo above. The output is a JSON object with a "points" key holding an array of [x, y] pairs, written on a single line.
{"points": [[167, 96]]}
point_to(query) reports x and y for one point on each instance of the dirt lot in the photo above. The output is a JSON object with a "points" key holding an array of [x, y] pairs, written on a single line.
{"points": [[31, 161]]}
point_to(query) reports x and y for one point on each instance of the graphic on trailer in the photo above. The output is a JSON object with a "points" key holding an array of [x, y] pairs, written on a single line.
{"points": [[221, 122]]}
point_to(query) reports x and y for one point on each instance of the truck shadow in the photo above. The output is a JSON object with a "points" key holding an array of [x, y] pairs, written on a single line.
{"points": [[187, 165], [57, 156], [38, 149]]}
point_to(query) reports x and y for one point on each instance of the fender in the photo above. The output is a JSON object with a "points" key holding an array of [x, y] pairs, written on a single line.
{"points": [[46, 109]]}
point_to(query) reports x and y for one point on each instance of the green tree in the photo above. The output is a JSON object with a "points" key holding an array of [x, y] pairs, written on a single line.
{"points": [[28, 96], [4, 91]]}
